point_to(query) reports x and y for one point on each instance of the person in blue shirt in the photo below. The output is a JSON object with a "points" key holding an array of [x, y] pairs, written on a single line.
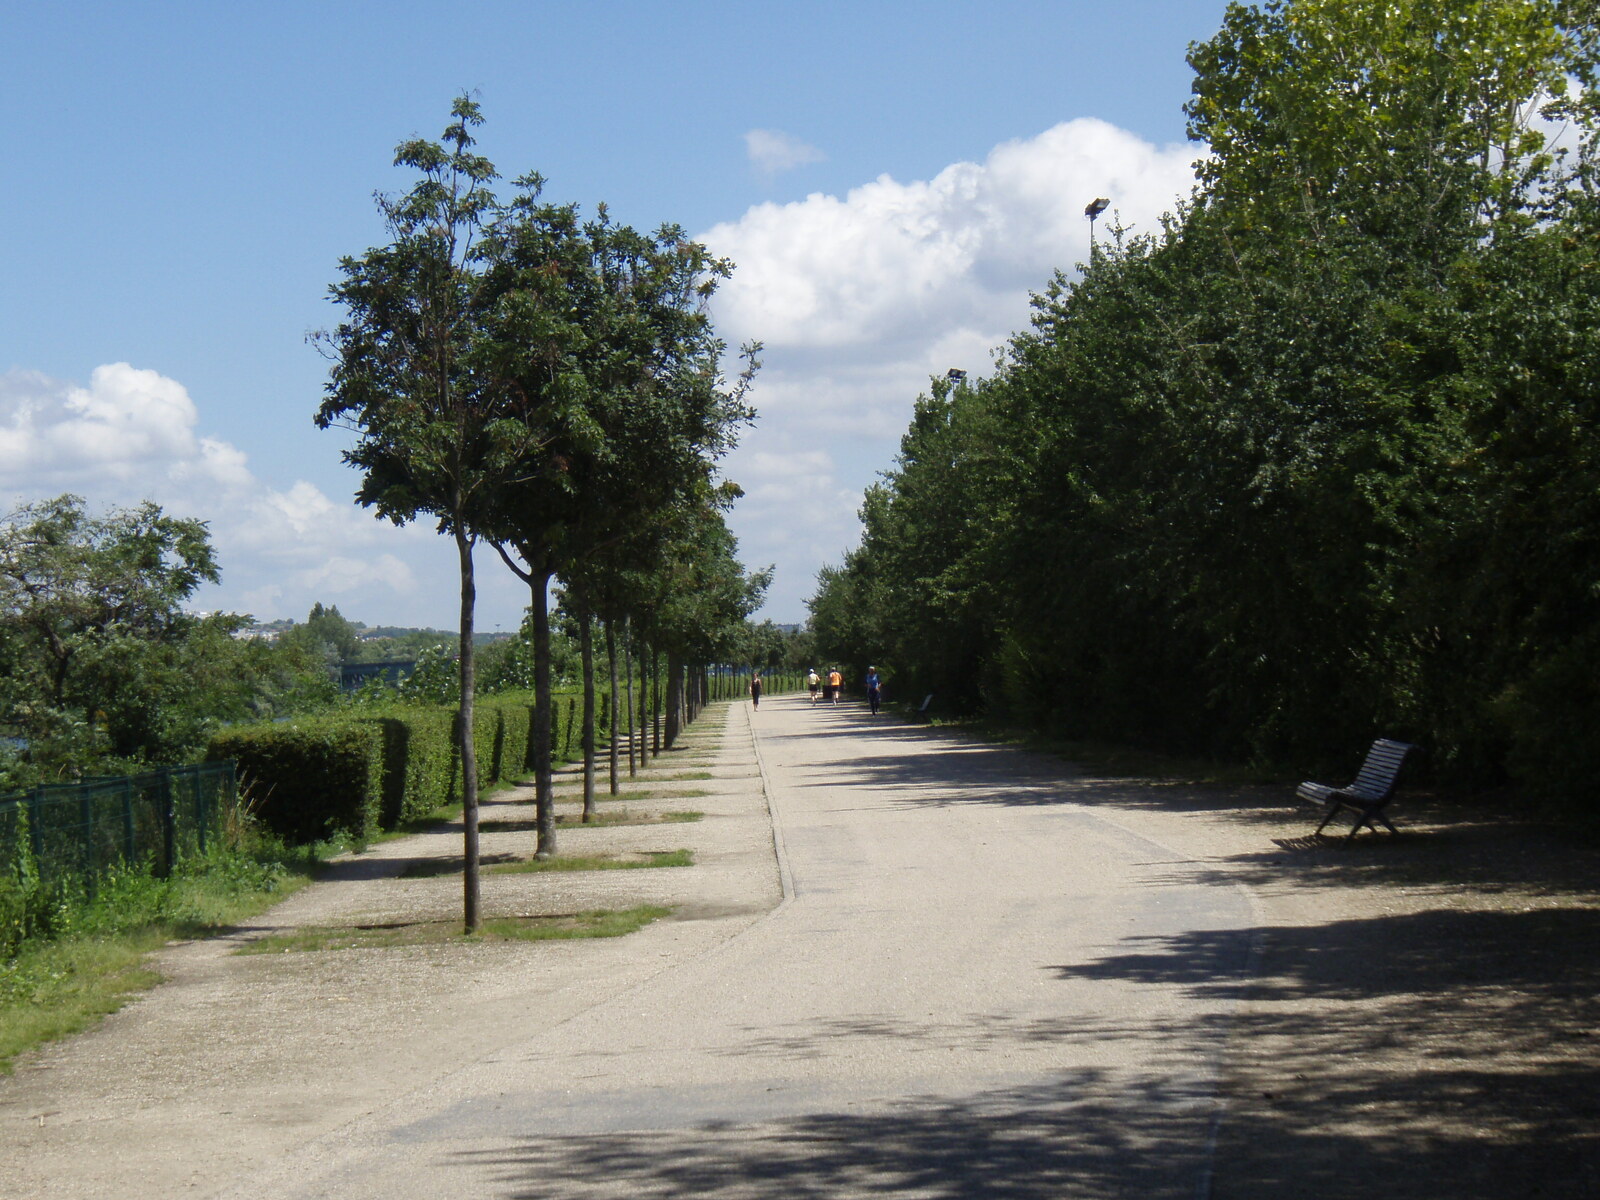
{"points": [[874, 688]]}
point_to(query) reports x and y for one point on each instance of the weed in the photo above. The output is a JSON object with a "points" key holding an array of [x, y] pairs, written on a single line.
{"points": [[93, 961], [597, 862], [597, 923]]}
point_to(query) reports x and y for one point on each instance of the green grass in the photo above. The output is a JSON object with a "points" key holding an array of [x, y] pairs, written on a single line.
{"points": [[598, 923], [514, 864], [96, 962], [576, 821], [60, 988], [596, 862], [684, 776], [633, 795]]}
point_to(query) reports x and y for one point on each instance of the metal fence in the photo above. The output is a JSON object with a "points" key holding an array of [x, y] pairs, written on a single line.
{"points": [[83, 829]]}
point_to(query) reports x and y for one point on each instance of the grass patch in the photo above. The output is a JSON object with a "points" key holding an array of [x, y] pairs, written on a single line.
{"points": [[597, 862], [61, 988], [513, 864], [685, 776], [95, 963], [576, 821], [450, 864], [597, 923], [635, 795]]}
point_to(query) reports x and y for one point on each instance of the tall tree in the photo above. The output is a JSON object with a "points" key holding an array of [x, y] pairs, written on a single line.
{"points": [[415, 376], [1310, 458], [643, 410]]}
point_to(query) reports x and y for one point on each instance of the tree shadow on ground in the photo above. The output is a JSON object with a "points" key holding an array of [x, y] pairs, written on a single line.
{"points": [[1414, 1057], [1437, 1053], [1453, 1051], [1088, 1135], [1442, 843], [1454, 855]]}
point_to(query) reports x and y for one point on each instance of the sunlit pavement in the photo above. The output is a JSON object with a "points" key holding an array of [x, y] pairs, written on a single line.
{"points": [[942, 1005]]}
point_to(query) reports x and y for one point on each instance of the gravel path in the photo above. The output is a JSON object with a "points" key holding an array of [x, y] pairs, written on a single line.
{"points": [[903, 963]]}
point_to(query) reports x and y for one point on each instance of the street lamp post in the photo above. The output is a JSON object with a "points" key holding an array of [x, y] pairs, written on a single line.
{"points": [[1092, 210]]}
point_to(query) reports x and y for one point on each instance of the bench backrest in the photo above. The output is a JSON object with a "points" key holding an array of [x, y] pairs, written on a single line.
{"points": [[1382, 768]]}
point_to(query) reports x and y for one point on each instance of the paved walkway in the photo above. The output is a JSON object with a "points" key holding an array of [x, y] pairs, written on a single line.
{"points": [[886, 976]]}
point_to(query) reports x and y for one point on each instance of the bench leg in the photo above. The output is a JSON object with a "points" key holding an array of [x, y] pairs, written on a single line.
{"points": [[1328, 814], [1368, 818]]}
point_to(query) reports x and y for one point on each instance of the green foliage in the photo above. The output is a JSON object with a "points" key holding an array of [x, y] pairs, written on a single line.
{"points": [[309, 778], [325, 635], [99, 665], [1315, 459], [357, 772], [61, 974]]}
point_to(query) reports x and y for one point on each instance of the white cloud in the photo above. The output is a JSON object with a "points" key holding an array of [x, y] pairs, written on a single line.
{"points": [[132, 434], [125, 421], [859, 299], [772, 151], [892, 262]]}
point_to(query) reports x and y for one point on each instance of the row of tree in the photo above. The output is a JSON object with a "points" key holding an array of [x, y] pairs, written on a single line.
{"points": [[1318, 458], [552, 386]]}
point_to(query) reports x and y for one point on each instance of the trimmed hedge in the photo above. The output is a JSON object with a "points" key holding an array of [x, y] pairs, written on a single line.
{"points": [[306, 779], [366, 770]]}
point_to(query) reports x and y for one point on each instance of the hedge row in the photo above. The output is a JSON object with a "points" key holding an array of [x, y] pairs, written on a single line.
{"points": [[361, 772]]}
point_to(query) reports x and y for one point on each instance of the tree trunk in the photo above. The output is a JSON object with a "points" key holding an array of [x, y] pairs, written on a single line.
{"points": [[655, 703], [586, 649], [616, 724], [471, 912], [544, 803], [674, 706], [628, 661]]}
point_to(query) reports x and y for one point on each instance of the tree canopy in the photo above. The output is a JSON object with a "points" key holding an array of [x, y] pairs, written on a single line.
{"points": [[1315, 458], [101, 666]]}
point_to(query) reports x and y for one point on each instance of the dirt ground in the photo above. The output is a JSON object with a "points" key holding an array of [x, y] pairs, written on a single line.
{"points": [[1421, 1020]]}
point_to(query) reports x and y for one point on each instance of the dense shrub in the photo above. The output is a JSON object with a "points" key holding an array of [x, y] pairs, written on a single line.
{"points": [[309, 779], [369, 769]]}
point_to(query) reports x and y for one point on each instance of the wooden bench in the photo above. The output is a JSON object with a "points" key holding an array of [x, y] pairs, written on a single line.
{"points": [[1370, 792]]}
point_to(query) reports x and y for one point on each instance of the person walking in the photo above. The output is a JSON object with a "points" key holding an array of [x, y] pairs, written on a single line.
{"points": [[835, 682], [814, 683], [755, 690], [874, 689]]}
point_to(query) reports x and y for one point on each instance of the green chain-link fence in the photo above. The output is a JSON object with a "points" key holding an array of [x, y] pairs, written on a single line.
{"points": [[83, 829]]}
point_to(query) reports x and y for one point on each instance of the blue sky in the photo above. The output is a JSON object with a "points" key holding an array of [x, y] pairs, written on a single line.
{"points": [[891, 178]]}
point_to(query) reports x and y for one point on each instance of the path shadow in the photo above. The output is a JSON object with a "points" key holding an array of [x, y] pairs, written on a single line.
{"points": [[1088, 1135], [1441, 1053]]}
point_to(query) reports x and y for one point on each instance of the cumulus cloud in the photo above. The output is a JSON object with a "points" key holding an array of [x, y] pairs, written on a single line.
{"points": [[890, 262], [133, 434], [773, 152], [859, 299]]}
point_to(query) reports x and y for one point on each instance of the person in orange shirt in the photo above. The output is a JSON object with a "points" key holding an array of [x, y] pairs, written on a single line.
{"points": [[835, 682]]}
